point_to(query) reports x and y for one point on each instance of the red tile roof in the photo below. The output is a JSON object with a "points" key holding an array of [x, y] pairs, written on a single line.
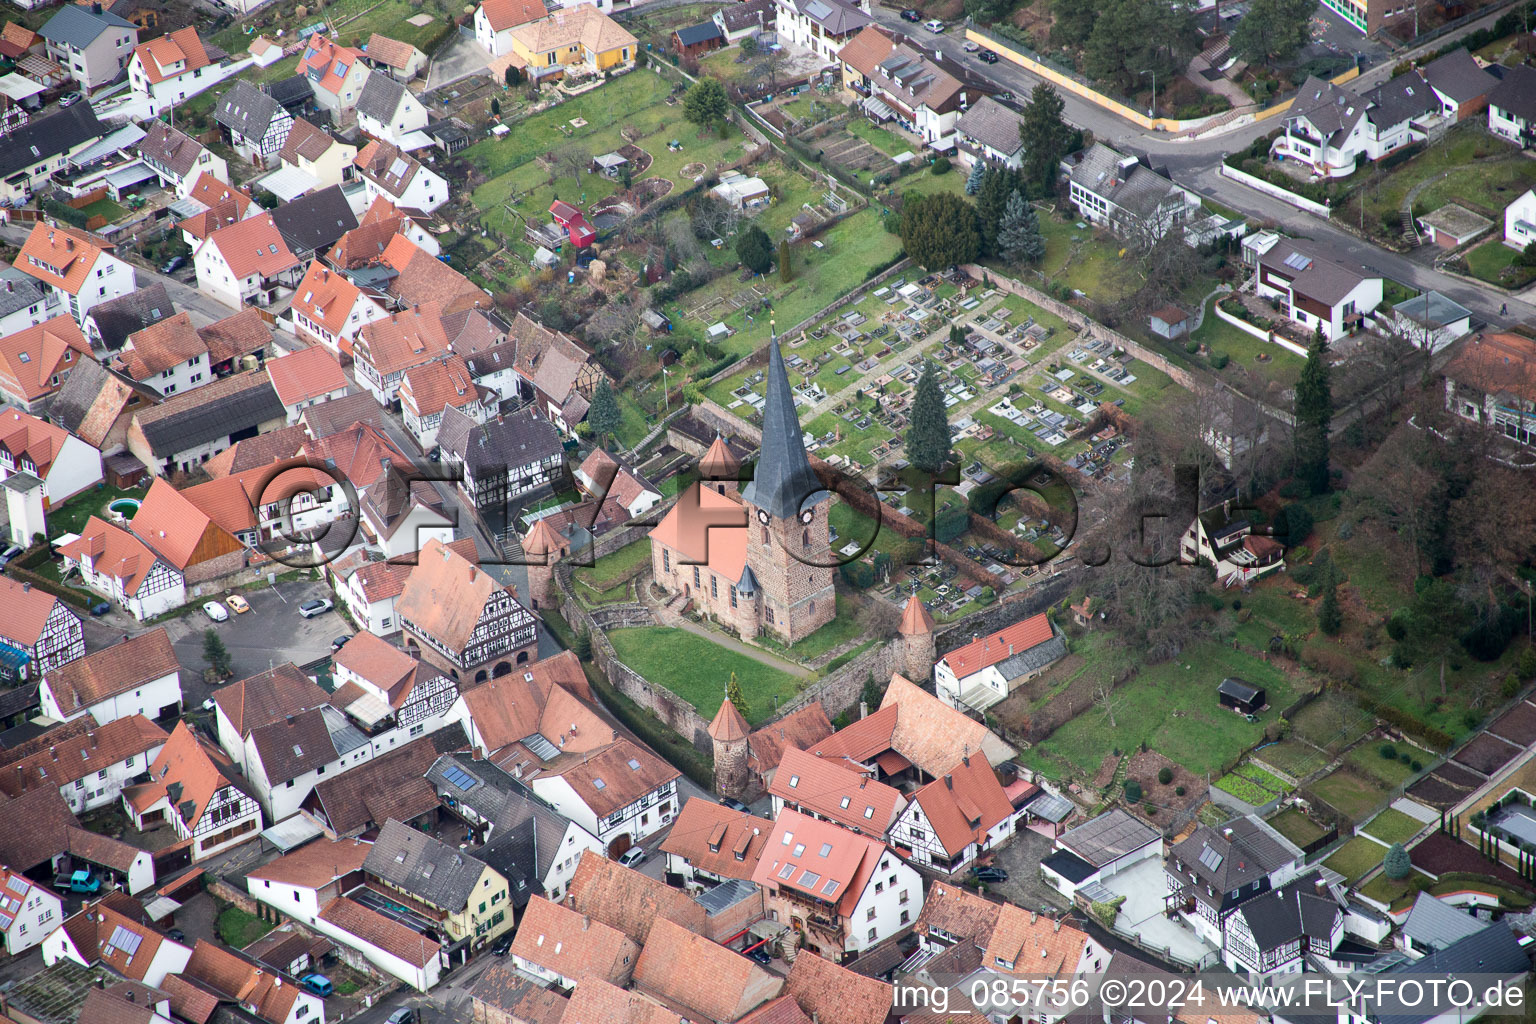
{"points": [[964, 804], [31, 358], [253, 247], [65, 256], [315, 865], [995, 647], [178, 530], [200, 769], [26, 437], [107, 672], [818, 858], [629, 901], [573, 945], [701, 976], [714, 838], [27, 609], [831, 789], [430, 388], [801, 729], [113, 551], [160, 347], [390, 52], [160, 56], [829, 991], [505, 14], [378, 930], [241, 980], [306, 374]]}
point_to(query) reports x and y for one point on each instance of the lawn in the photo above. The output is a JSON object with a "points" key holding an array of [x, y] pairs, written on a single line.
{"points": [[1393, 826], [1494, 262], [72, 516], [1172, 708], [617, 566], [1351, 795], [698, 670], [1356, 857], [104, 207], [1366, 759], [239, 929], [843, 628], [1293, 757], [1243, 349], [353, 21], [1296, 826], [1485, 184]]}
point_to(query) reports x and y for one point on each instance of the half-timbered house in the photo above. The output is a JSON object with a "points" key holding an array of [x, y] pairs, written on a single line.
{"points": [[462, 620], [191, 786], [37, 633]]}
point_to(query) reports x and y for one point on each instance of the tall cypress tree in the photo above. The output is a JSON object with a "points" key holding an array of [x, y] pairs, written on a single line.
{"points": [[603, 416], [1046, 139], [1314, 416], [928, 433], [991, 201]]}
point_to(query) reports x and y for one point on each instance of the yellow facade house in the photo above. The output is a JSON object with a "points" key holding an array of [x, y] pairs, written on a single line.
{"points": [[579, 38]]}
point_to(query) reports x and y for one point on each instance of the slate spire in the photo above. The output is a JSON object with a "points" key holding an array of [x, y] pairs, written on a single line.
{"points": [[783, 482]]}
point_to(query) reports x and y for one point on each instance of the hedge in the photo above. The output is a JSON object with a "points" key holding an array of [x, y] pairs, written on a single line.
{"points": [[67, 594]]}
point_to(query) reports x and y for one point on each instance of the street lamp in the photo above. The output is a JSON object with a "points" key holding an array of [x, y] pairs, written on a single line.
{"points": [[1152, 110]]}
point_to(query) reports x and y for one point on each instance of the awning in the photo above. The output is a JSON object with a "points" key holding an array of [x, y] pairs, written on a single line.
{"points": [[160, 908], [412, 141], [875, 107], [288, 183], [129, 175], [18, 87], [292, 833], [124, 138], [181, 209], [369, 710]]}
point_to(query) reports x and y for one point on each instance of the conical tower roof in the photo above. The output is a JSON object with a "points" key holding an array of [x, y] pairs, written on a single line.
{"points": [[783, 482], [541, 539], [728, 726], [915, 618], [719, 463]]}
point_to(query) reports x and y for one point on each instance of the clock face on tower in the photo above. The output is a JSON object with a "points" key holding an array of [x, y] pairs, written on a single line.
{"points": [[762, 516], [806, 515]]}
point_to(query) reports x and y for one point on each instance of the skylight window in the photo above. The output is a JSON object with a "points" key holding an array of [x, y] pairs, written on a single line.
{"points": [[869, 812], [634, 765], [826, 849], [830, 887], [799, 849], [794, 781], [26, 357], [786, 870], [789, 837], [599, 784], [843, 803], [809, 879]]}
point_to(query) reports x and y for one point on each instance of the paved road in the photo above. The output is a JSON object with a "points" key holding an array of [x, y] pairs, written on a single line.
{"points": [[1194, 163]]}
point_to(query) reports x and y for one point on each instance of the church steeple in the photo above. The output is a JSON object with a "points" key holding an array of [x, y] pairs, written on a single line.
{"points": [[783, 482]]}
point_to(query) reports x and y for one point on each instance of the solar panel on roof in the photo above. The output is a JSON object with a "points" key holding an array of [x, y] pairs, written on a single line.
{"points": [[1298, 261], [1210, 858], [125, 939], [17, 884], [460, 778]]}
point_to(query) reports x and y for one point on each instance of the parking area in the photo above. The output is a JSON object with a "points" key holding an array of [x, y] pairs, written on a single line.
{"points": [[270, 633], [1021, 859], [1142, 915]]}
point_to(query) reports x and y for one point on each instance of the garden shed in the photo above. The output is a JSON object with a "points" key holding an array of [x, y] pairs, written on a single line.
{"points": [[1240, 696]]}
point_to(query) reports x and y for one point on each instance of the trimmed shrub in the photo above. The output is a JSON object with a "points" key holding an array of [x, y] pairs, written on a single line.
{"points": [[1132, 790], [1165, 775]]}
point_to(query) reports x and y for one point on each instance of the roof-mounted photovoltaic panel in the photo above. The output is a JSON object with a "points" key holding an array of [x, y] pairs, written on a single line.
{"points": [[17, 884], [1298, 261], [125, 939], [540, 747], [1210, 858], [818, 10], [461, 779]]}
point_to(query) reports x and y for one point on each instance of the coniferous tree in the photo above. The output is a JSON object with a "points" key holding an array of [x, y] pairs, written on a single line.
{"points": [[735, 696], [939, 231], [928, 434], [215, 653], [705, 102], [603, 415], [1329, 618], [1018, 234], [1397, 864], [991, 201], [1046, 139], [973, 183], [755, 249], [1314, 416], [786, 262]]}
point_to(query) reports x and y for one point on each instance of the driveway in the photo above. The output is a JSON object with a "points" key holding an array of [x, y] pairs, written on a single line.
{"points": [[271, 633], [459, 59], [1021, 859]]}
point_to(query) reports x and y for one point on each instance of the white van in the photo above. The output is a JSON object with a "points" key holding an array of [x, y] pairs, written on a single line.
{"points": [[934, 25]]}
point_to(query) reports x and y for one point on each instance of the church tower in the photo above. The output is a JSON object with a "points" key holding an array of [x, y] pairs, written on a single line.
{"points": [[787, 520], [720, 469], [915, 644], [543, 548], [728, 733]]}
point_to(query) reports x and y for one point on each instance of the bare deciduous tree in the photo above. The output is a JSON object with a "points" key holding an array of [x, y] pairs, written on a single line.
{"points": [[1105, 700], [572, 159]]}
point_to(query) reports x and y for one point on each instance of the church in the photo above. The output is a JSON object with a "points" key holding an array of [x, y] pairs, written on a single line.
{"points": [[756, 558]]}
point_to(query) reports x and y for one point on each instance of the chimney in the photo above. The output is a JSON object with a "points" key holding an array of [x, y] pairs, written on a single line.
{"points": [[53, 752], [26, 586], [1010, 650], [471, 574], [1033, 916], [586, 921], [130, 995], [949, 782], [1227, 832], [92, 735], [69, 243], [863, 712], [1058, 925]]}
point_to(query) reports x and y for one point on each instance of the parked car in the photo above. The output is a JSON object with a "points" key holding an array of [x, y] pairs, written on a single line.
{"points": [[238, 603], [319, 606], [760, 956], [9, 553], [216, 611], [319, 984], [503, 946], [340, 642], [987, 57], [405, 1015], [84, 881], [177, 935], [173, 264], [912, 14], [934, 25], [100, 608], [436, 454], [632, 856], [210, 704], [735, 805], [989, 874], [69, 99]]}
